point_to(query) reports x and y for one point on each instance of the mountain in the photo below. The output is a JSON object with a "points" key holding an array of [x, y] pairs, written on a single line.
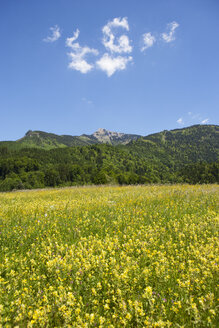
{"points": [[191, 144], [44, 140], [43, 159], [180, 146], [112, 138]]}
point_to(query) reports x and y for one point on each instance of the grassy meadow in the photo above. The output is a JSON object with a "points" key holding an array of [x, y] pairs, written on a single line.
{"points": [[136, 256]]}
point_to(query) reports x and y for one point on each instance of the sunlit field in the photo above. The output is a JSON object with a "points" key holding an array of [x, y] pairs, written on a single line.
{"points": [[109, 257]]}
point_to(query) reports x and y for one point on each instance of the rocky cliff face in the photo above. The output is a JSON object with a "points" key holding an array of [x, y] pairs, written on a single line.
{"points": [[105, 136]]}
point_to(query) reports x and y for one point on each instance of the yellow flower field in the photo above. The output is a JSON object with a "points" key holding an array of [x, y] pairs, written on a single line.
{"points": [[144, 256]]}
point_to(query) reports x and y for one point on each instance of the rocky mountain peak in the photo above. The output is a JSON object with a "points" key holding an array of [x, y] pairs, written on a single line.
{"points": [[106, 136], [104, 132], [101, 131], [31, 133]]}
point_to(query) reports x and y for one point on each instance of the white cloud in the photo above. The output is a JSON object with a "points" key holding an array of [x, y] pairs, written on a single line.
{"points": [[55, 34], [180, 121], [69, 41], [170, 36], [148, 41], [120, 44], [192, 118], [205, 121], [116, 22], [111, 64], [78, 53]]}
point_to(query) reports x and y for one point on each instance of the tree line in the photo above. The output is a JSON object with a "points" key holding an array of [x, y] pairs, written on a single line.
{"points": [[95, 164]]}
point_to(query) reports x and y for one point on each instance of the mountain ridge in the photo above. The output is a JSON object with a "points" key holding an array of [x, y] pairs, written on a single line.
{"points": [[189, 155], [47, 140]]}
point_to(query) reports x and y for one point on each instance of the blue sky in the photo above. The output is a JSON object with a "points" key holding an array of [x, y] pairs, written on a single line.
{"points": [[133, 66]]}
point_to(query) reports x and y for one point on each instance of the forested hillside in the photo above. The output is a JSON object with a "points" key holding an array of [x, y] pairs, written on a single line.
{"points": [[186, 155], [175, 148], [45, 140]]}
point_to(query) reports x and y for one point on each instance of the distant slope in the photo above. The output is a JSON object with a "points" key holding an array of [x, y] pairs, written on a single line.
{"points": [[188, 145], [44, 140], [198, 143], [40, 139]]}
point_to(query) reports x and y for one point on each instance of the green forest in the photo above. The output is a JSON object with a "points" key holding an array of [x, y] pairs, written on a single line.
{"points": [[187, 155]]}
